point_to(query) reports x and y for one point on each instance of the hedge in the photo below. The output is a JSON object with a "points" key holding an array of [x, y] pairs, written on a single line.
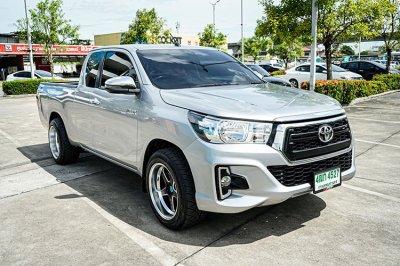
{"points": [[347, 90], [24, 86]]}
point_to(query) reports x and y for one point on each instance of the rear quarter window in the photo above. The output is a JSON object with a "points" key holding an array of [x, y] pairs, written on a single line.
{"points": [[92, 68]]}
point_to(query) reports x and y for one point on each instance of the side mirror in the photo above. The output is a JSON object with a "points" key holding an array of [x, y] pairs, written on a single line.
{"points": [[122, 84], [324, 71]]}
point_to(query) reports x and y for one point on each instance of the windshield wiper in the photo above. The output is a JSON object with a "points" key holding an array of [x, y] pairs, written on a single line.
{"points": [[214, 85]]}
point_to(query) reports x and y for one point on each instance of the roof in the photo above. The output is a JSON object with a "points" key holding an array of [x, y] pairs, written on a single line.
{"points": [[153, 46]]}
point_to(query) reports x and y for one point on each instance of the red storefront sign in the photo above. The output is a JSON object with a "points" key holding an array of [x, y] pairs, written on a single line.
{"points": [[22, 49]]}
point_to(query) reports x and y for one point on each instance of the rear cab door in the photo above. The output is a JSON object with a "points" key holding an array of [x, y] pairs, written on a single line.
{"points": [[83, 110]]}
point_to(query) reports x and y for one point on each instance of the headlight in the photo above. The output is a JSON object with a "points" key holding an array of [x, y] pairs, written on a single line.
{"points": [[219, 130]]}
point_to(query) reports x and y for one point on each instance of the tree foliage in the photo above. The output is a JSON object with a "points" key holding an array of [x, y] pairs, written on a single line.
{"points": [[346, 50], [386, 24], [288, 50], [337, 20], [255, 45], [49, 27], [211, 37], [145, 28]]}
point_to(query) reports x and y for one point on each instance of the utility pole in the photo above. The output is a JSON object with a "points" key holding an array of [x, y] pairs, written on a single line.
{"points": [[241, 11], [314, 19], [213, 5], [29, 41], [359, 49]]}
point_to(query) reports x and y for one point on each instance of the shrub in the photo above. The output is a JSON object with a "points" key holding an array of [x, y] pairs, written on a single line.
{"points": [[347, 90], [25, 86], [391, 80], [278, 72]]}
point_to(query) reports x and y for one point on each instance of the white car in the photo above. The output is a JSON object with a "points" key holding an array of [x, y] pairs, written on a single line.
{"points": [[301, 73], [41, 74]]}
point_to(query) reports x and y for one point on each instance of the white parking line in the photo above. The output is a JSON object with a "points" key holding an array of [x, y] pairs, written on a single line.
{"points": [[374, 120], [379, 143], [134, 234], [10, 138], [372, 107], [372, 193]]}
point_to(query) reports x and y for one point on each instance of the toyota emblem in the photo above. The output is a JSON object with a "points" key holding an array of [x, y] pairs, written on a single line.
{"points": [[325, 133]]}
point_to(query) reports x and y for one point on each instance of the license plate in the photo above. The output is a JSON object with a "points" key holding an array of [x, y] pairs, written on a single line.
{"points": [[327, 180]]}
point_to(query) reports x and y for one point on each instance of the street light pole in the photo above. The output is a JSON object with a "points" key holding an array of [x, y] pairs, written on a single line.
{"points": [[213, 5], [314, 18], [241, 11], [29, 41]]}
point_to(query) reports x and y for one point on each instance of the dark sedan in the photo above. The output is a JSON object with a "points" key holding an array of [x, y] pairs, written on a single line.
{"points": [[267, 77], [367, 69]]}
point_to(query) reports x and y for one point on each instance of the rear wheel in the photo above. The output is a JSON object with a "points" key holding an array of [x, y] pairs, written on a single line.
{"points": [[171, 189], [61, 149], [294, 82]]}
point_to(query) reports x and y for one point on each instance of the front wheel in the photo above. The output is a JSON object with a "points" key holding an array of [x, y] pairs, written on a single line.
{"points": [[171, 189], [294, 82]]}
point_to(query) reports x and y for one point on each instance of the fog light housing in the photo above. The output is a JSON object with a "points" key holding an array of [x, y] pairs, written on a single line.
{"points": [[226, 181]]}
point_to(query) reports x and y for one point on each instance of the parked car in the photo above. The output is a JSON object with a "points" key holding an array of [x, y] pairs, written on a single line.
{"points": [[393, 64], [27, 75], [201, 129], [301, 73], [267, 77], [271, 68], [367, 69]]}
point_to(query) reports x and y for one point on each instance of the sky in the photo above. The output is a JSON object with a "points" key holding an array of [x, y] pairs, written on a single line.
{"points": [[105, 16]]}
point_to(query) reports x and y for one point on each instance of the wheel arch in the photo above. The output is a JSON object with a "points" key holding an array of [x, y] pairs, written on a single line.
{"points": [[54, 115], [153, 146]]}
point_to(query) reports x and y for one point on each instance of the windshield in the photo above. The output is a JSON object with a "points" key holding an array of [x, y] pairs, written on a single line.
{"points": [[336, 68], [191, 68], [260, 70], [43, 73]]}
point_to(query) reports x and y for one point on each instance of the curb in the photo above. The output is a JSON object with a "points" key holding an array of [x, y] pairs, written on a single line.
{"points": [[16, 96], [364, 99]]}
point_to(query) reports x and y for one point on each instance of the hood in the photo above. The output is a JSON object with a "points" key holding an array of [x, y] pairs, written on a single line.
{"points": [[264, 102]]}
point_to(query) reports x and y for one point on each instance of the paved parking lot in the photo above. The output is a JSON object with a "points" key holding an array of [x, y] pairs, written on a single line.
{"points": [[94, 212]]}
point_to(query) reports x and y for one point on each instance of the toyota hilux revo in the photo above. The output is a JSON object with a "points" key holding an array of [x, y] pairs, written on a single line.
{"points": [[202, 130]]}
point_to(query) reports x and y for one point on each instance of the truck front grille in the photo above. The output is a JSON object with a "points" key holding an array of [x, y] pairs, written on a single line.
{"points": [[301, 174], [303, 142]]}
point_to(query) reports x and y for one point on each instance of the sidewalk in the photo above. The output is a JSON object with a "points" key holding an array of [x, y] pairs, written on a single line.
{"points": [[1, 89]]}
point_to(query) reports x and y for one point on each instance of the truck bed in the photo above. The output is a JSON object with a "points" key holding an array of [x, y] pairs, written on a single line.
{"points": [[68, 84]]}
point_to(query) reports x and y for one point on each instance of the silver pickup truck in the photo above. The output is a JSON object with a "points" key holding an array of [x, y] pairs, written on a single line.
{"points": [[202, 130]]}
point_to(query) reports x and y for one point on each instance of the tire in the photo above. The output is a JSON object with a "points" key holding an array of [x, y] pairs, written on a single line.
{"points": [[60, 147], [170, 164], [294, 82]]}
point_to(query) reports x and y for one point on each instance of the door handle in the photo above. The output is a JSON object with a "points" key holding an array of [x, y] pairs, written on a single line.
{"points": [[95, 101]]}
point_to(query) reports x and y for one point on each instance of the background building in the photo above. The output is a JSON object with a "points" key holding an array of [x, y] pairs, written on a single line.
{"points": [[116, 38], [67, 58]]}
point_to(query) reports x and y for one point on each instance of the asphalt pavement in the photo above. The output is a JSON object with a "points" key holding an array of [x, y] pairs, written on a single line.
{"points": [[93, 212]]}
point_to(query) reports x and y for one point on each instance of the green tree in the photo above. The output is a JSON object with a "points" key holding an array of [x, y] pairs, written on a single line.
{"points": [[346, 50], [145, 28], [255, 45], [288, 50], [337, 21], [211, 37], [386, 24], [49, 27]]}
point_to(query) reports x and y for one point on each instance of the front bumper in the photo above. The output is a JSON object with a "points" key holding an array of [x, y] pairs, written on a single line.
{"points": [[250, 161]]}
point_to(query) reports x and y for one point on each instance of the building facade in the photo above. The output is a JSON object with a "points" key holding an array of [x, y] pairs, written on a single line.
{"points": [[116, 38]]}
